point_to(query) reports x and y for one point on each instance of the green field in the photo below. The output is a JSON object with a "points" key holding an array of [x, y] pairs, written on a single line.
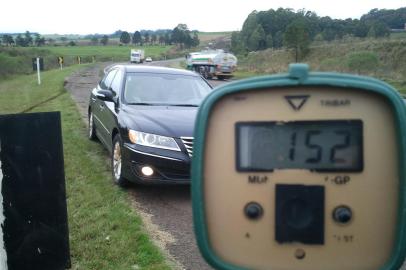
{"points": [[110, 53], [212, 35], [105, 231], [17, 60], [399, 35], [220, 40]]}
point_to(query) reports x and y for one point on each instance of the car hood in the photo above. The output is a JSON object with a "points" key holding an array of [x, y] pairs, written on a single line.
{"points": [[171, 121]]}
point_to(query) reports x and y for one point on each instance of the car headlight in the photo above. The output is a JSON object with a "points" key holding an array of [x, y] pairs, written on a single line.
{"points": [[152, 140]]}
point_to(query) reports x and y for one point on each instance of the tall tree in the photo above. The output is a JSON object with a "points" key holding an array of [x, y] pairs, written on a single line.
{"points": [[125, 37], [187, 39], [177, 36], [20, 41], [161, 39], [378, 29], [153, 39], [181, 36], [248, 28], [168, 38], [196, 40], [269, 41], [37, 37], [38, 40], [256, 40], [104, 40], [237, 45], [278, 39], [8, 40], [137, 39], [146, 37], [28, 38], [297, 38]]}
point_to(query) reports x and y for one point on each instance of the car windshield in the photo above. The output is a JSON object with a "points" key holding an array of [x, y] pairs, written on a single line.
{"points": [[164, 89]]}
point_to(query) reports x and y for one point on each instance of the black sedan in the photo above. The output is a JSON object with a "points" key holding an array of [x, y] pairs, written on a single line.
{"points": [[145, 117]]}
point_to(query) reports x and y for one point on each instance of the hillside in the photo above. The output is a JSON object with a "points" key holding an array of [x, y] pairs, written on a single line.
{"points": [[285, 27], [215, 40], [390, 55]]}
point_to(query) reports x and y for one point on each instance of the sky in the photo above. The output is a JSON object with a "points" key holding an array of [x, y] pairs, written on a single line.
{"points": [[105, 17]]}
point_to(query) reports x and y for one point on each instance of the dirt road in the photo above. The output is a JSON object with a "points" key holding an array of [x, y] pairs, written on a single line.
{"points": [[166, 210]]}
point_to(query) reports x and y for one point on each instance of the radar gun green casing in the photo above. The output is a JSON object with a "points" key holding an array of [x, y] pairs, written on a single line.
{"points": [[304, 170]]}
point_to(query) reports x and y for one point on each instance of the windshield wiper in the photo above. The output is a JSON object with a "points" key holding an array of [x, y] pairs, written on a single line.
{"points": [[145, 103], [184, 105], [162, 104]]}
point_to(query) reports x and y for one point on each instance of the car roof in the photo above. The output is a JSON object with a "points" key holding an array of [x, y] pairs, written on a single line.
{"points": [[154, 69]]}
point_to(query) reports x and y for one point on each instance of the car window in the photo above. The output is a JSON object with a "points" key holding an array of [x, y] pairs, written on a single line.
{"points": [[106, 82], [115, 85], [165, 89]]}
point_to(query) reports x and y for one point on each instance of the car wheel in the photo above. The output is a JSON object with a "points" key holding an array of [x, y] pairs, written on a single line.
{"points": [[116, 162], [92, 127]]}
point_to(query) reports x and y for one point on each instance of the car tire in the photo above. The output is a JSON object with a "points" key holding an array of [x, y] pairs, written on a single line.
{"points": [[92, 128], [116, 162]]}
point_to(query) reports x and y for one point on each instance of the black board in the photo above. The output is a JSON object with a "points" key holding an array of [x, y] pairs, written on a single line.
{"points": [[35, 229]]}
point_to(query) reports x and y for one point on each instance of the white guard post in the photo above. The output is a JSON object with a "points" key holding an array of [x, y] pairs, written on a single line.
{"points": [[38, 71]]}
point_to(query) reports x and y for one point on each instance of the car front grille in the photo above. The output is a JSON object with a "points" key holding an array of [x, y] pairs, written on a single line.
{"points": [[188, 143]]}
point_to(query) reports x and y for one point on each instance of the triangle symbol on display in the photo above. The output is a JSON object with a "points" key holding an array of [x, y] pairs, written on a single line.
{"points": [[297, 102]]}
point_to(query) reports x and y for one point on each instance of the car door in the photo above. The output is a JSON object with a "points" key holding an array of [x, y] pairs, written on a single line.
{"points": [[99, 106], [109, 114]]}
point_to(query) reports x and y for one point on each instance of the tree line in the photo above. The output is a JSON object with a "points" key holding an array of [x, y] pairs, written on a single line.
{"points": [[180, 36], [23, 40], [285, 27]]}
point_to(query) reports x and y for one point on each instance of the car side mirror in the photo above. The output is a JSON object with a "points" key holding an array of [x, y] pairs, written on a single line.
{"points": [[105, 95]]}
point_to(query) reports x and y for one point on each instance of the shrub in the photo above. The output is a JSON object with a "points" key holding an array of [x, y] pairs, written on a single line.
{"points": [[19, 60], [332, 64], [362, 62], [9, 65]]}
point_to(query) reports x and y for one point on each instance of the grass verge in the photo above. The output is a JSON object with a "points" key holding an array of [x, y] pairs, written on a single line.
{"points": [[105, 232], [104, 52], [243, 74], [17, 60]]}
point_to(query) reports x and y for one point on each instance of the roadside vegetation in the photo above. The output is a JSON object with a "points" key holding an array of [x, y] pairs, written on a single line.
{"points": [[18, 60], [295, 30], [381, 58], [105, 232], [17, 50], [374, 45]]}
